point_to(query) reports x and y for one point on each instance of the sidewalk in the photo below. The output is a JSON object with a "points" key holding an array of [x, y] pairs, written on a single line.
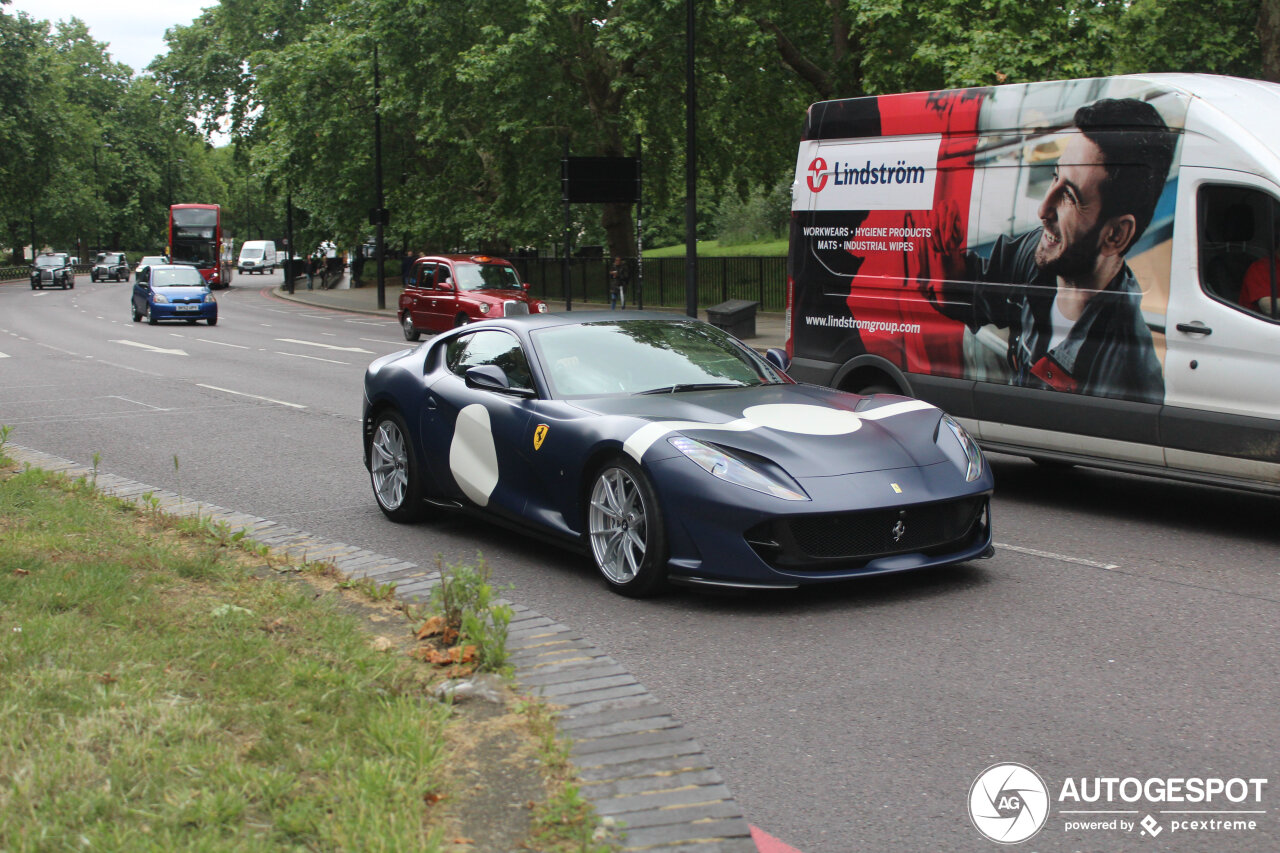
{"points": [[771, 328]]}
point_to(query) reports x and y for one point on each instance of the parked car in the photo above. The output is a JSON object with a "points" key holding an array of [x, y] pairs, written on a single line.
{"points": [[669, 451], [149, 261], [53, 269], [445, 291], [173, 292], [110, 265]]}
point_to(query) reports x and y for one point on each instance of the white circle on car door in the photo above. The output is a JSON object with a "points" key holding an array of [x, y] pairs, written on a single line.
{"points": [[473, 457]]}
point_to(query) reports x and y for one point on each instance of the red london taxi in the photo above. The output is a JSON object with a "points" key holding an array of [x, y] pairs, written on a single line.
{"points": [[453, 290]]}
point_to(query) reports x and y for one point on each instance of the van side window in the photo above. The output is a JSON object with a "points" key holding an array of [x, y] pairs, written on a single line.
{"points": [[1238, 248]]}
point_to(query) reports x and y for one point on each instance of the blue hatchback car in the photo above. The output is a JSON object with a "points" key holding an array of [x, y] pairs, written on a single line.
{"points": [[173, 292]]}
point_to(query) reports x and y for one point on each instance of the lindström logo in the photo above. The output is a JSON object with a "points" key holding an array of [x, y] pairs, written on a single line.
{"points": [[1008, 803], [817, 175]]}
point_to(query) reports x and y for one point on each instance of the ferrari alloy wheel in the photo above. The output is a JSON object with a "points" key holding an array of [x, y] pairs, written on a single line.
{"points": [[410, 333], [624, 524], [394, 470]]}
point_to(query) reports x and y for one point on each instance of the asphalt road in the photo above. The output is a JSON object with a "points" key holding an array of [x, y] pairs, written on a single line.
{"points": [[1125, 628]]}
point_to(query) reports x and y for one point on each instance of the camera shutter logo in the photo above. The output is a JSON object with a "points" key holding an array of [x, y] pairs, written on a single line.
{"points": [[1008, 803]]}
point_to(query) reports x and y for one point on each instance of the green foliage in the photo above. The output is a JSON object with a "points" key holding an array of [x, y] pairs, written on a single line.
{"points": [[465, 600], [478, 102], [762, 215]]}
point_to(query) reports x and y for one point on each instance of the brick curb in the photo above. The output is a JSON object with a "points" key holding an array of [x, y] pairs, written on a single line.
{"points": [[638, 764]]}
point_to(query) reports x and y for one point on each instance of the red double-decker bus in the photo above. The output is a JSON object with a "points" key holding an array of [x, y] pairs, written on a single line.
{"points": [[195, 237]]}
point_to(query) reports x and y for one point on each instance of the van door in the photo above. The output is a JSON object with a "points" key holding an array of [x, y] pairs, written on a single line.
{"points": [[1222, 362]]}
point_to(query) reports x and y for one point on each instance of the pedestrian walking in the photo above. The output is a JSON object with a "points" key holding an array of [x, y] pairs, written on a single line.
{"points": [[619, 279]]}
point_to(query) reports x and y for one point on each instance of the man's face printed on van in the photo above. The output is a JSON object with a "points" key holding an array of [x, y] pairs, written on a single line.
{"points": [[1071, 211]]}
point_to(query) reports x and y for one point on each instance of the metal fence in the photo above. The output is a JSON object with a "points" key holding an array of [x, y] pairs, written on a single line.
{"points": [[762, 280], [15, 273]]}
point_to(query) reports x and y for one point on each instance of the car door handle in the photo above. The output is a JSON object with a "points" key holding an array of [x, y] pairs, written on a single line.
{"points": [[1196, 328]]}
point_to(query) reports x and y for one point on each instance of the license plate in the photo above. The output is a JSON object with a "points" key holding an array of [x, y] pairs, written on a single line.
{"points": [[188, 307]]}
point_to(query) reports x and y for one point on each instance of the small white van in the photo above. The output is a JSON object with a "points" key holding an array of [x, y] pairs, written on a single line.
{"points": [[1081, 271], [257, 256]]}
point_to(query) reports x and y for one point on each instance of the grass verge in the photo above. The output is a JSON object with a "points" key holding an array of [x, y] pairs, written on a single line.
{"points": [[165, 685]]}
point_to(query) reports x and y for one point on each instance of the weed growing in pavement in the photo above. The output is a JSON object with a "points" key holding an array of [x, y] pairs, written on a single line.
{"points": [[566, 821], [370, 588], [465, 601], [177, 473]]}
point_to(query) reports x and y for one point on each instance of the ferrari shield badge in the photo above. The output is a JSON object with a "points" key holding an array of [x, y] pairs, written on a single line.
{"points": [[539, 435]]}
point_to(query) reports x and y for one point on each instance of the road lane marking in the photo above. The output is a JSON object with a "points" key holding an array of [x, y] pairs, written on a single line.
{"points": [[311, 357], [150, 347], [136, 402], [221, 343], [324, 346], [405, 344], [252, 396], [1080, 561], [4, 355]]}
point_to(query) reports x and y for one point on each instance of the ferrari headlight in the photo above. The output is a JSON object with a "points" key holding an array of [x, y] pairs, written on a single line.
{"points": [[731, 469], [484, 307], [963, 451]]}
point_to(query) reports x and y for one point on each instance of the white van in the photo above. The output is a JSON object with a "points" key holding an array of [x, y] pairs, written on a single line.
{"points": [[257, 256], [1081, 271]]}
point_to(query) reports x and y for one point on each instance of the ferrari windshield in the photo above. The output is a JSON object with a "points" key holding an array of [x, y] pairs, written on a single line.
{"points": [[646, 357], [487, 277], [176, 277], [51, 261]]}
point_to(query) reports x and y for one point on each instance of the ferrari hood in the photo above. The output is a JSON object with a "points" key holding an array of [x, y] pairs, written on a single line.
{"points": [[808, 430]]}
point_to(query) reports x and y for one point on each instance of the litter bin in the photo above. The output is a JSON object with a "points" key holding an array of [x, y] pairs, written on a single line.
{"points": [[735, 316]]}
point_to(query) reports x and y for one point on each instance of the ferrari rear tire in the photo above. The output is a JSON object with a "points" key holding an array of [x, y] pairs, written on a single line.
{"points": [[394, 469], [626, 532], [406, 325]]}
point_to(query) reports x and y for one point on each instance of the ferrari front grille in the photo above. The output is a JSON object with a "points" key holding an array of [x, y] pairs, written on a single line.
{"points": [[848, 540]]}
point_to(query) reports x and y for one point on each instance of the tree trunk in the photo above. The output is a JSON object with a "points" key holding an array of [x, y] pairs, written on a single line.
{"points": [[1269, 38], [619, 228]]}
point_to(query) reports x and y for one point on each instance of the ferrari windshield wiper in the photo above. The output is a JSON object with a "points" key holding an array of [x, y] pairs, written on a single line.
{"points": [[689, 386]]}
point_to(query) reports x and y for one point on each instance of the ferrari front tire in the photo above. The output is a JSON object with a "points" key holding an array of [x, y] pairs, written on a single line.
{"points": [[626, 532], [394, 470]]}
